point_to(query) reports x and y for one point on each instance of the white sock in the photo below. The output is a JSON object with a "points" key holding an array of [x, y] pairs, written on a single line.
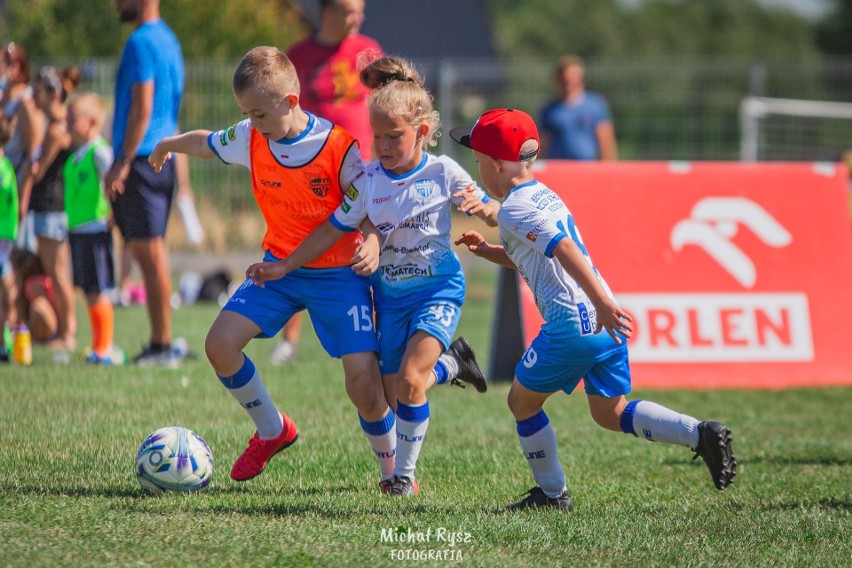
{"points": [[382, 436], [451, 364], [247, 387], [538, 441], [659, 424], [411, 425]]}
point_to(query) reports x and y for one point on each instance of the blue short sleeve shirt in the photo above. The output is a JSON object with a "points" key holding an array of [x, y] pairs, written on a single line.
{"points": [[152, 54]]}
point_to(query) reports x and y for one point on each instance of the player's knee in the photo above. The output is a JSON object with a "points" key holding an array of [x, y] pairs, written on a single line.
{"points": [[219, 349], [366, 392], [410, 387], [609, 418]]}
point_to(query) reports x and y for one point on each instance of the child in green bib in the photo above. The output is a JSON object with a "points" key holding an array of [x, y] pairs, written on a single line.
{"points": [[8, 230], [88, 213]]}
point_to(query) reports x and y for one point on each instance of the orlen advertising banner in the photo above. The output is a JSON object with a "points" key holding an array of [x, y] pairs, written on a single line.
{"points": [[736, 275]]}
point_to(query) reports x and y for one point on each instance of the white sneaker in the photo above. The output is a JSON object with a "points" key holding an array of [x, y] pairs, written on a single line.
{"points": [[282, 353]]}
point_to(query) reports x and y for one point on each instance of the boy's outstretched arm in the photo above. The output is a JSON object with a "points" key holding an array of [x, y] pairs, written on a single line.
{"points": [[609, 315], [477, 244], [473, 205], [319, 241], [192, 143]]}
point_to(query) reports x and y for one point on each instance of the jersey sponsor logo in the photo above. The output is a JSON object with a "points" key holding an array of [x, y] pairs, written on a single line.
{"points": [[351, 192], [419, 222], [532, 236], [228, 135], [405, 271], [345, 207], [384, 227], [708, 327], [270, 183], [320, 186], [380, 200], [585, 320], [714, 221]]}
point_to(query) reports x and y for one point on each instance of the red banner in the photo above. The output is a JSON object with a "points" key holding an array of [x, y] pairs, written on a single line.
{"points": [[736, 275]]}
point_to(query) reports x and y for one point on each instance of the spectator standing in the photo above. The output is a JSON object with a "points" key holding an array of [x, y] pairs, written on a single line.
{"points": [[8, 233], [43, 197], [28, 127], [327, 66], [576, 124], [148, 90]]}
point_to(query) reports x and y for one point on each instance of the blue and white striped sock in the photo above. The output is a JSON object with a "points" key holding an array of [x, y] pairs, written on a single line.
{"points": [[538, 441], [441, 371], [382, 436], [247, 387], [659, 424], [411, 425]]}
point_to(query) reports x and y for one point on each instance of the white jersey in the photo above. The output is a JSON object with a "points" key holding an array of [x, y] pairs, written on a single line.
{"points": [[232, 146], [533, 220], [412, 212]]}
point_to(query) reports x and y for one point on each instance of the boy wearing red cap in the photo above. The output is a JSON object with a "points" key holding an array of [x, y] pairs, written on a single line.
{"points": [[540, 239]]}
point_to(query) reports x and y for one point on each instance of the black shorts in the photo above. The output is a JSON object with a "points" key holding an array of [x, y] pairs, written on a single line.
{"points": [[142, 211], [91, 262]]}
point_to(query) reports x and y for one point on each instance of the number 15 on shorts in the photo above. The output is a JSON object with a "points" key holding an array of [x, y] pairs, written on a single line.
{"points": [[362, 318]]}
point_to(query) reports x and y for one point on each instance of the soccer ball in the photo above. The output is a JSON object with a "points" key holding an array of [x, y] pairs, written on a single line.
{"points": [[174, 459]]}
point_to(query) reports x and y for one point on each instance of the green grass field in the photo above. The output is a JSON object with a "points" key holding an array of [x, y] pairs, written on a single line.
{"points": [[69, 495]]}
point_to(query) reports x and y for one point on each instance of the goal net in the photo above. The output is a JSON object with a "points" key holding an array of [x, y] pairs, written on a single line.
{"points": [[794, 130]]}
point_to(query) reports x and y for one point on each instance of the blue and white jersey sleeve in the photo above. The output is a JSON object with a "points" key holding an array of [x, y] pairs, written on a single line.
{"points": [[353, 209], [459, 180], [232, 145]]}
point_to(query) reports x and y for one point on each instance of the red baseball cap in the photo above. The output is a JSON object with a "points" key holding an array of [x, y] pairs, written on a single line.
{"points": [[500, 133]]}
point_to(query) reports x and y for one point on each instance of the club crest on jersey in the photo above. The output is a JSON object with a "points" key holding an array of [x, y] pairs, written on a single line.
{"points": [[320, 186], [424, 189], [384, 227]]}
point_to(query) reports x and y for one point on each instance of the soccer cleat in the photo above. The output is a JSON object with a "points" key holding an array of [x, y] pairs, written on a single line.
{"points": [[169, 357], [403, 486], [282, 353], [150, 357], [537, 499], [385, 485], [95, 359], [469, 371], [252, 461], [714, 447]]}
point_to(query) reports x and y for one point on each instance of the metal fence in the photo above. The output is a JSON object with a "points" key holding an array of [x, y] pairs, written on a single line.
{"points": [[662, 110]]}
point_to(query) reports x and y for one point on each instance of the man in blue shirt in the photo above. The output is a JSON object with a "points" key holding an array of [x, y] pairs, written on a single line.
{"points": [[576, 125], [148, 90]]}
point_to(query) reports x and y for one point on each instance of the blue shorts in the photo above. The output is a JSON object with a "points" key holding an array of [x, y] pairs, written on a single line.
{"points": [[51, 225], [338, 301], [142, 211], [91, 262], [550, 364], [438, 318]]}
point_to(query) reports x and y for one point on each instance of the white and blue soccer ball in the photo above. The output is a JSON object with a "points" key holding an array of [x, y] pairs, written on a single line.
{"points": [[174, 459]]}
